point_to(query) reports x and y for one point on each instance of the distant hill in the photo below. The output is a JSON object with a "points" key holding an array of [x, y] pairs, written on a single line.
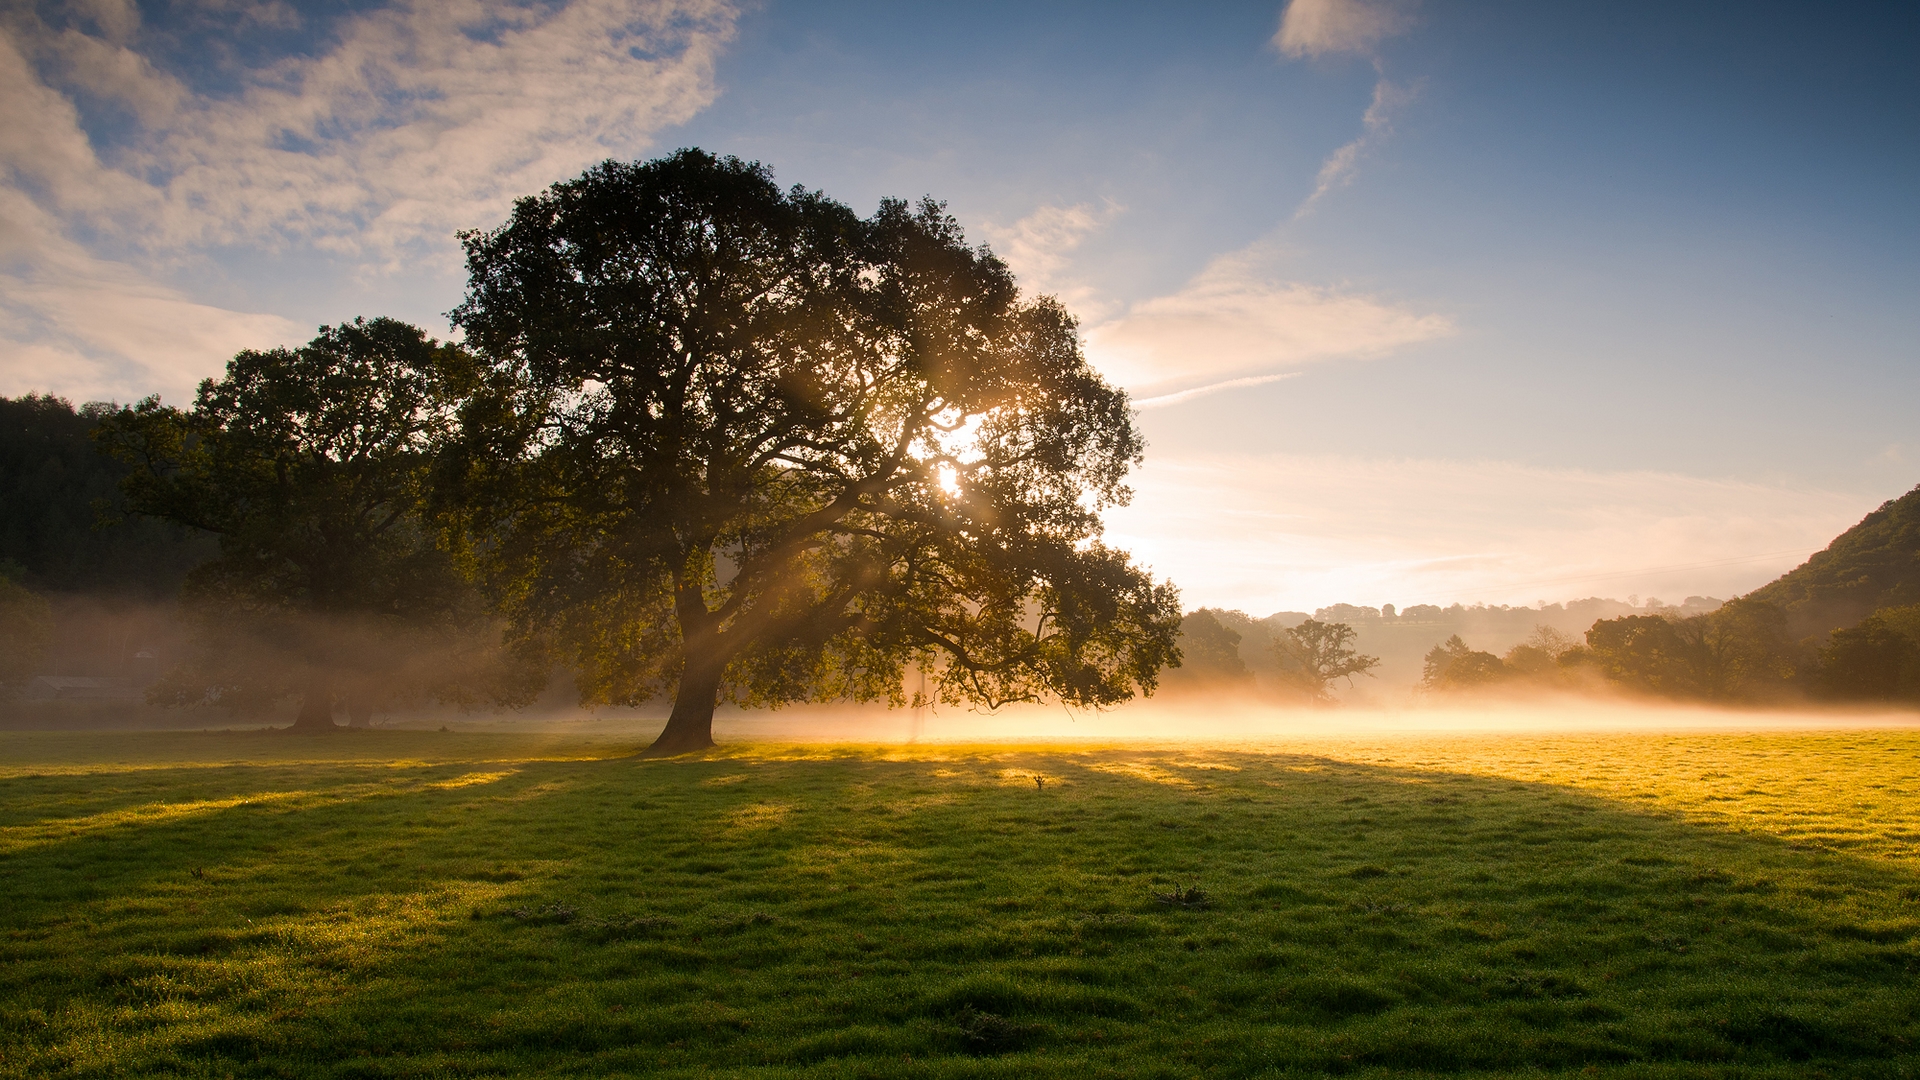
{"points": [[1873, 565]]}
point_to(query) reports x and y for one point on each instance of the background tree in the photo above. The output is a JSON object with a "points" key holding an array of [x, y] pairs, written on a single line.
{"points": [[1454, 665], [1737, 653], [1643, 652], [65, 525], [1878, 660], [1741, 652], [1315, 653], [765, 450], [312, 465], [26, 627], [1209, 650]]}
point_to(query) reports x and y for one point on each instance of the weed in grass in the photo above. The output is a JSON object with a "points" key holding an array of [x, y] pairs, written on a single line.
{"points": [[1192, 897]]}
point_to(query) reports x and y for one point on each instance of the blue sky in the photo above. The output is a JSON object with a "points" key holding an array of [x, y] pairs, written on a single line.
{"points": [[1422, 302]]}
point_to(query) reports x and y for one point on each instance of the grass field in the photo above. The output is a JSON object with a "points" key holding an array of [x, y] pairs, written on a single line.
{"points": [[445, 904]]}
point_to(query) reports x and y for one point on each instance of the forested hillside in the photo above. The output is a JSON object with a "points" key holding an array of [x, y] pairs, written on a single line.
{"points": [[1874, 565]]}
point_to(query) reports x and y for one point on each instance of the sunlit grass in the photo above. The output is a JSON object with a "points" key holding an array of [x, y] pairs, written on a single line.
{"points": [[419, 903]]}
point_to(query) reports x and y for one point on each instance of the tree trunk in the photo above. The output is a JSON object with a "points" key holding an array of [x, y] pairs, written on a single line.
{"points": [[359, 713], [316, 709], [690, 726]]}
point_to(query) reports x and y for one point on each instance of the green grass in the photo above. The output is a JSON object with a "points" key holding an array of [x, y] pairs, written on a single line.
{"points": [[426, 904]]}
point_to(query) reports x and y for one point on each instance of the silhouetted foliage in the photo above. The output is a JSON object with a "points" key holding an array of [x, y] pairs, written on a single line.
{"points": [[1738, 653], [1452, 665], [762, 449], [1210, 650], [1874, 565], [311, 465], [1878, 660], [1314, 654], [64, 525], [26, 627], [1542, 661]]}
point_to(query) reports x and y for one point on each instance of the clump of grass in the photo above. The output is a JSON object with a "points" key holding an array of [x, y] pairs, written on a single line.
{"points": [[1193, 897], [983, 1032], [550, 914]]}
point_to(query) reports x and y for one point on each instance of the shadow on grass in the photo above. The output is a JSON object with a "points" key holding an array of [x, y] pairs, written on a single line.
{"points": [[842, 914]]}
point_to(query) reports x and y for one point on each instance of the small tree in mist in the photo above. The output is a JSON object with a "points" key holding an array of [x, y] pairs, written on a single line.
{"points": [[1455, 665], [1314, 654], [765, 450], [312, 467]]}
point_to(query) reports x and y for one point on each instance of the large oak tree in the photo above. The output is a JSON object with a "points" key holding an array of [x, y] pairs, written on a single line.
{"points": [[762, 449]]}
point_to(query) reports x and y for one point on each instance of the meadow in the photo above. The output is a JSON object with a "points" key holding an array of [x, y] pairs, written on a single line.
{"points": [[418, 903]]}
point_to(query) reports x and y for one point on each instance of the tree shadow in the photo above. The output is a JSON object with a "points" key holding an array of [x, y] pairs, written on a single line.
{"points": [[739, 912]]}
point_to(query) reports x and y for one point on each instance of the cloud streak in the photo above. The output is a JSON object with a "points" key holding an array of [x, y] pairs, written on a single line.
{"points": [[88, 328], [1375, 125], [1163, 400], [1236, 320], [424, 117]]}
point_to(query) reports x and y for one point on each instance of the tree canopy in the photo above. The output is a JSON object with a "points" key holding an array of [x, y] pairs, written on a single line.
{"points": [[1210, 650], [756, 447], [65, 528], [312, 466], [1453, 665], [1878, 660], [1739, 652]]}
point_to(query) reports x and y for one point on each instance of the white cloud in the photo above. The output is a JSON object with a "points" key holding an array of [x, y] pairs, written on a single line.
{"points": [[88, 328], [1235, 320], [1039, 248], [430, 116], [1289, 532], [422, 118], [44, 151], [1322, 27]]}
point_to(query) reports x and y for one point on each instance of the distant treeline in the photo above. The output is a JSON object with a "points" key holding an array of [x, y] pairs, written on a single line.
{"points": [[1844, 626], [80, 581], [66, 528], [86, 588]]}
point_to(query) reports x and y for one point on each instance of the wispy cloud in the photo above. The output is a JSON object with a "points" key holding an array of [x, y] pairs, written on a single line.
{"points": [[1312, 28], [89, 328], [1163, 400], [1375, 124], [1040, 248], [420, 118], [1269, 532], [1322, 27], [1237, 319]]}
